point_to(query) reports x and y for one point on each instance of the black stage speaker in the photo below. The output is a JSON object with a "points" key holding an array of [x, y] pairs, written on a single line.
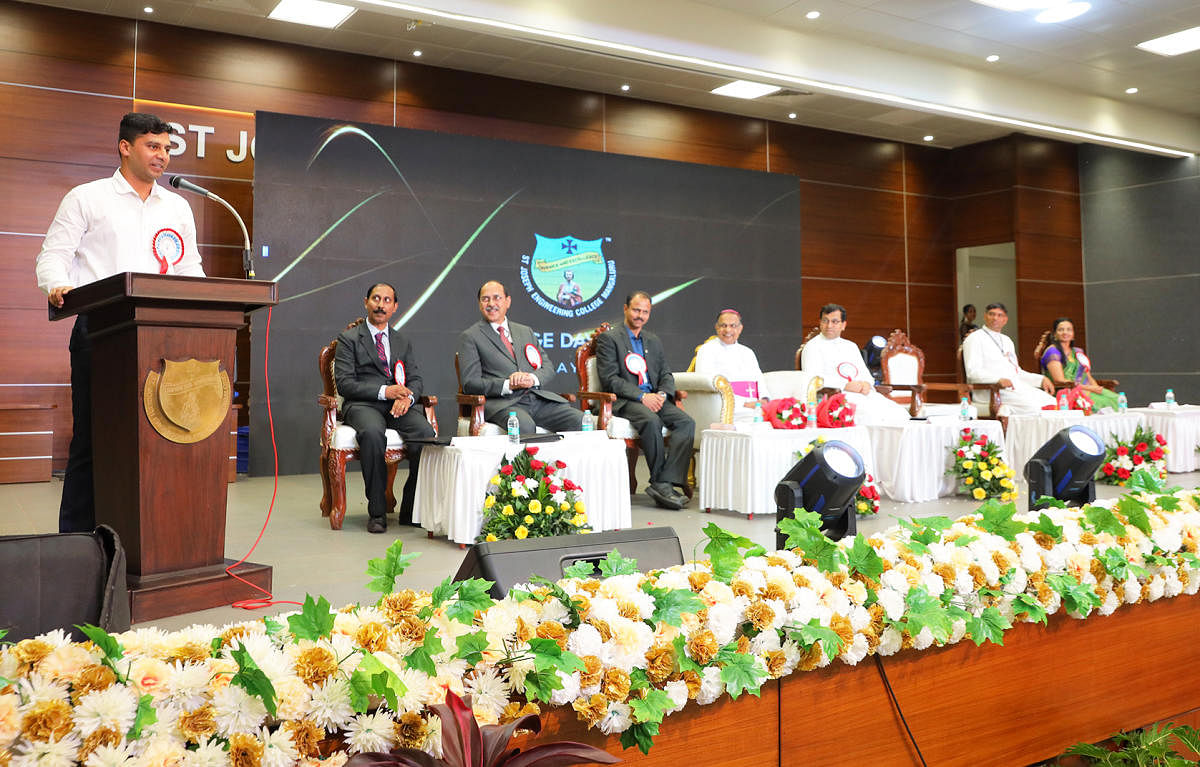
{"points": [[57, 581], [506, 563]]}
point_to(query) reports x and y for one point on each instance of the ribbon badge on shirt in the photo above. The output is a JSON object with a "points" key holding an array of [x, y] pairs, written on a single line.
{"points": [[398, 372], [636, 364], [167, 247], [847, 370], [1083, 360], [533, 355]]}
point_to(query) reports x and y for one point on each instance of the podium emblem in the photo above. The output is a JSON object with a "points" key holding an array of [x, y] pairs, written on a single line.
{"points": [[188, 401]]}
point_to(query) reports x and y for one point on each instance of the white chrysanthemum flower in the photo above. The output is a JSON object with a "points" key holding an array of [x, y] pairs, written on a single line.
{"points": [[604, 608], [711, 685], [892, 603], [160, 750], [792, 656], [958, 630], [1018, 581], [895, 580], [723, 621], [1111, 602], [10, 718], [54, 753], [519, 491], [370, 732], [114, 708], [716, 592], [236, 710], [854, 651], [489, 689], [677, 691], [890, 642], [208, 753], [187, 685], [554, 610], [346, 623], [569, 690], [933, 583], [37, 688], [585, 640], [500, 621], [271, 659], [65, 661], [416, 689], [675, 578], [56, 638], [924, 639], [765, 642], [617, 719], [329, 705], [628, 645], [1157, 586], [1193, 584], [111, 756]]}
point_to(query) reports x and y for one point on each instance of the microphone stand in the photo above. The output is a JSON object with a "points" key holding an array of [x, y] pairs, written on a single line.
{"points": [[179, 182]]}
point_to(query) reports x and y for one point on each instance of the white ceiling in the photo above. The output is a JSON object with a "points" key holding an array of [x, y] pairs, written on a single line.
{"points": [[931, 52]]}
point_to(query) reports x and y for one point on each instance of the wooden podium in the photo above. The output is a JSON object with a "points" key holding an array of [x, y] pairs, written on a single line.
{"points": [[165, 498]]}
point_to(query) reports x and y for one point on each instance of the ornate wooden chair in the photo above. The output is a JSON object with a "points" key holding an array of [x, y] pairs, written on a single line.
{"points": [[591, 396], [470, 411], [339, 443], [903, 367], [990, 409]]}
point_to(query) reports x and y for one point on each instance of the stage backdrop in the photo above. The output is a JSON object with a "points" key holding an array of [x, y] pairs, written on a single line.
{"points": [[339, 206]]}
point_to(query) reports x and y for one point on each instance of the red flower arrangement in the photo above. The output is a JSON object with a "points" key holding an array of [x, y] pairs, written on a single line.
{"points": [[786, 413], [1145, 450]]}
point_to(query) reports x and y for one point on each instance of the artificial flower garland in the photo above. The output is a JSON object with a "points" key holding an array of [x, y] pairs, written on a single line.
{"points": [[980, 468], [528, 498], [624, 651]]}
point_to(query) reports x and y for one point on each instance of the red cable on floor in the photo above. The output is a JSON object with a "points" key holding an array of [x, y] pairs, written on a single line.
{"points": [[269, 599]]}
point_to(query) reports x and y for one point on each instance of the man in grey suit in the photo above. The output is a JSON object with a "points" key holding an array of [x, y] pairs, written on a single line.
{"points": [[378, 378], [502, 361], [631, 364]]}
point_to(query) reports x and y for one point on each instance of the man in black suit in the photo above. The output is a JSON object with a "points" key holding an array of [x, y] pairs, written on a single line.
{"points": [[378, 378], [503, 361], [631, 364]]}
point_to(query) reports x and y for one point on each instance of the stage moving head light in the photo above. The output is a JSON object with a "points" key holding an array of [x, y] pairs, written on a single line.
{"points": [[824, 482], [1065, 467], [872, 354]]}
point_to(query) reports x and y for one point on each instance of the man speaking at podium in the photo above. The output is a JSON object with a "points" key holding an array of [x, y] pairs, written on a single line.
{"points": [[123, 223]]}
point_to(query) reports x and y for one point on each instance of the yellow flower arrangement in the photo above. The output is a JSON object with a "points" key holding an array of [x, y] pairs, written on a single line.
{"points": [[980, 468], [532, 499]]}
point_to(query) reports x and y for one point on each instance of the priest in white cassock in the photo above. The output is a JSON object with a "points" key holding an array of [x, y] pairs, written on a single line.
{"points": [[841, 366], [990, 357], [724, 356]]}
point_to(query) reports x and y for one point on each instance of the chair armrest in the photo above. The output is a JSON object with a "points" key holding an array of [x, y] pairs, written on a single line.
{"points": [[428, 401], [695, 382], [568, 396], [1107, 383], [474, 400], [606, 400], [327, 402]]}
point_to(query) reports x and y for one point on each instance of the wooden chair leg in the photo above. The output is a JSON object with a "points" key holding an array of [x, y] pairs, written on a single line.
{"points": [[391, 484], [631, 455], [326, 495], [337, 488]]}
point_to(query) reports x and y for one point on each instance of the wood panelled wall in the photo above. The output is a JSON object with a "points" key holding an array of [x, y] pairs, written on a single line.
{"points": [[880, 219]]}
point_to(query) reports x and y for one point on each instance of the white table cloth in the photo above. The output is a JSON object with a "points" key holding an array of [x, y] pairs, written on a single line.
{"points": [[738, 470], [1181, 426], [1027, 433], [911, 459], [454, 480]]}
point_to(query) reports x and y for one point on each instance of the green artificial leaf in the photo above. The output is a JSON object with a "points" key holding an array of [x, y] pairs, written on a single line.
{"points": [[443, 591], [817, 547], [145, 716], [548, 655], [1026, 603], [797, 527], [106, 642], [671, 604], [1118, 565], [581, 569], [1077, 598], [1046, 526], [739, 672], [473, 595], [314, 621], [3, 633], [1143, 481], [372, 677], [556, 591], [1135, 511], [640, 735], [272, 626], [1188, 558], [988, 626], [965, 540], [723, 549], [519, 595], [651, 708], [1101, 520], [1167, 502], [997, 519], [471, 646], [1158, 560], [421, 658], [541, 684], [615, 564], [927, 612], [638, 680], [864, 560], [812, 632], [682, 660], [251, 678], [1049, 501], [925, 530], [385, 570], [216, 644]]}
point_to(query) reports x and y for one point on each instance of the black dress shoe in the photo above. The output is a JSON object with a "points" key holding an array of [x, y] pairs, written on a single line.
{"points": [[377, 525], [663, 497]]}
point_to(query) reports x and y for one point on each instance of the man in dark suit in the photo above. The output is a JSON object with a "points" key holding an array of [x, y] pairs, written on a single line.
{"points": [[378, 378], [631, 364], [502, 361]]}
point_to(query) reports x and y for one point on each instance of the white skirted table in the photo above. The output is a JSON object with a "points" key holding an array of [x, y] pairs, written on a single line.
{"points": [[738, 470], [1027, 433], [1180, 426], [454, 480], [911, 459]]}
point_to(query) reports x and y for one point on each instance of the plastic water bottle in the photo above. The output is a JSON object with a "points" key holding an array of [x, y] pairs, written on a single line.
{"points": [[1170, 398], [1122, 402], [965, 411], [1063, 403], [758, 416], [810, 414], [589, 421], [514, 428]]}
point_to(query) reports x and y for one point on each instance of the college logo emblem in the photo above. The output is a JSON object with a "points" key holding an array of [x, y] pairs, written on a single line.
{"points": [[567, 276], [188, 400]]}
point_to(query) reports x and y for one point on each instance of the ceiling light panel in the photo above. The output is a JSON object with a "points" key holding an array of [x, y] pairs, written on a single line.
{"points": [[1174, 44], [744, 89], [314, 13]]}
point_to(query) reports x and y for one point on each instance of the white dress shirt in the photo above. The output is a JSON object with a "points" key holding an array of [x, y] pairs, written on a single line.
{"points": [[104, 228], [839, 362], [989, 356], [738, 364]]}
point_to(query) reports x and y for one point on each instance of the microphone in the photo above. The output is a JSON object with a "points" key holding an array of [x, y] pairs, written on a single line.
{"points": [[179, 182]]}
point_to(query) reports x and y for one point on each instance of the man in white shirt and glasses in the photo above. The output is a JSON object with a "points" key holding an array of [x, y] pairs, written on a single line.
{"points": [[124, 223]]}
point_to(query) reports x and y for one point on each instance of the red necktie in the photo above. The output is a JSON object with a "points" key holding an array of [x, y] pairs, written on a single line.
{"points": [[507, 344], [379, 348]]}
